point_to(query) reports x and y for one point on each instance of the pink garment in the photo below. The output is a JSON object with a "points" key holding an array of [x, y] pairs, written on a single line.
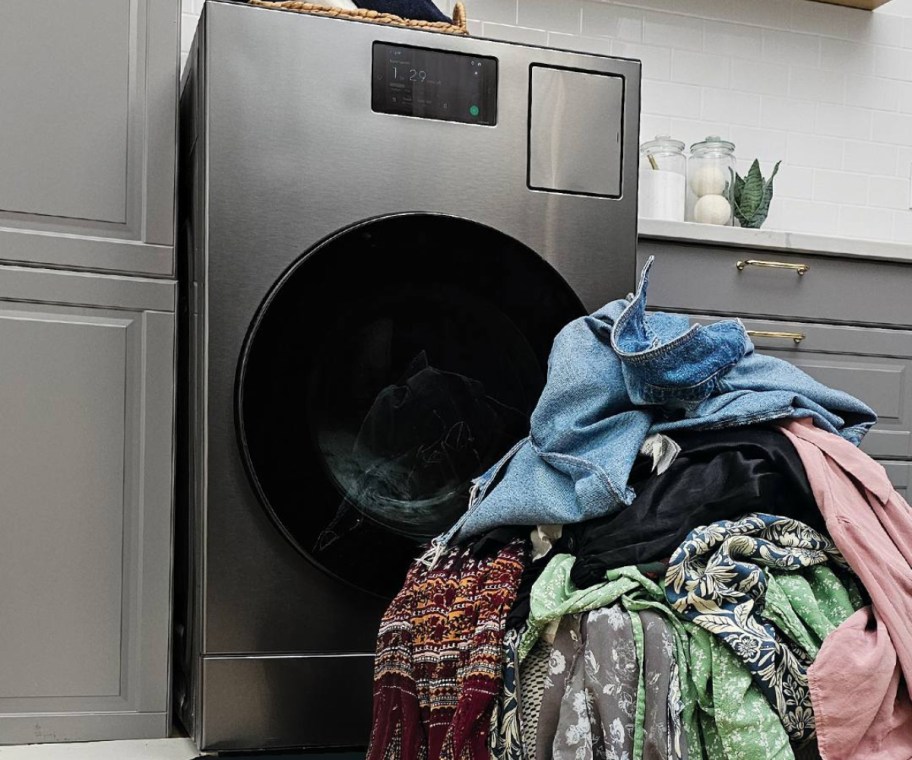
{"points": [[861, 703], [871, 525]]}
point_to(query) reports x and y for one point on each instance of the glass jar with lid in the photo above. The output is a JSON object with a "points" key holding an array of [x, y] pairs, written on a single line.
{"points": [[710, 177], [662, 179]]}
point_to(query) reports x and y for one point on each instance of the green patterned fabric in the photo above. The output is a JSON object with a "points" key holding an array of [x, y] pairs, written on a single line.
{"points": [[725, 716], [719, 578]]}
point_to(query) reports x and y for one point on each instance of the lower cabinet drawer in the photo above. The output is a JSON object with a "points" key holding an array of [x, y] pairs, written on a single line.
{"points": [[873, 364]]}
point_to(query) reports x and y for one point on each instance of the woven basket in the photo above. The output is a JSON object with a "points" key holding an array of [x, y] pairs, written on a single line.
{"points": [[459, 25]]}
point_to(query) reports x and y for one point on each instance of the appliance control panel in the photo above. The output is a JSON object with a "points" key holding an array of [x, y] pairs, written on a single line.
{"points": [[434, 84]]}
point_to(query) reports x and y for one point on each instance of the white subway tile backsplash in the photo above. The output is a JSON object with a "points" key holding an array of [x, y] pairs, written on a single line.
{"points": [[888, 192], [871, 92], [672, 30], [907, 33], [869, 158], [690, 131], [793, 182], [877, 29], [777, 217], [700, 68], [865, 222], [814, 151], [737, 40], [773, 81], [840, 187], [799, 49], [788, 114], [842, 121], [546, 14], [656, 60], [902, 226], [903, 162], [845, 55], [597, 45], [817, 85], [496, 11], [803, 216], [616, 21], [655, 126], [892, 128], [188, 30], [731, 106], [671, 99], [766, 144], [512, 33], [770, 14], [904, 93], [829, 20], [894, 63]]}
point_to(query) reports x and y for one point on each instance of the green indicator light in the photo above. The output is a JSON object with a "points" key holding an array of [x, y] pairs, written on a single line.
{"points": [[474, 110]]}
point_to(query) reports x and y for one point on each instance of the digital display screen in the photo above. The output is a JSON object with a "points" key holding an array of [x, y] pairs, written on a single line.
{"points": [[434, 84]]}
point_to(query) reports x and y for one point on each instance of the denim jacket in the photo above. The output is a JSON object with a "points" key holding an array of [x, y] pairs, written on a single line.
{"points": [[620, 375]]}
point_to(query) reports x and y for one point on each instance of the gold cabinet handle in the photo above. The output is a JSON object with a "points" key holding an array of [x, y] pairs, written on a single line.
{"points": [[797, 337], [801, 269]]}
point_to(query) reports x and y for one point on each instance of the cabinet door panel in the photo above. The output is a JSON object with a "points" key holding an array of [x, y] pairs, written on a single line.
{"points": [[88, 118], [62, 396], [871, 364], [64, 147], [86, 419]]}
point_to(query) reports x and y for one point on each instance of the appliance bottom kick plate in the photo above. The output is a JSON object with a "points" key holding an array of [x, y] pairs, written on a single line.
{"points": [[253, 702]]}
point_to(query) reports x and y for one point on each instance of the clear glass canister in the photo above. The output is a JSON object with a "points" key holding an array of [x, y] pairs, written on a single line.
{"points": [[663, 169], [710, 177]]}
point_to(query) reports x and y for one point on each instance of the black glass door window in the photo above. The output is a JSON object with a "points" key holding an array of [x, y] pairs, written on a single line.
{"points": [[389, 366]]}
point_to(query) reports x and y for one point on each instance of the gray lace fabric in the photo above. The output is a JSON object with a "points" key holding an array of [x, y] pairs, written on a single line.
{"points": [[532, 676]]}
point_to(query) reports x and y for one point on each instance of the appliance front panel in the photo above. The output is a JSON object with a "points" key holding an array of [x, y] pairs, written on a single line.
{"points": [[295, 153]]}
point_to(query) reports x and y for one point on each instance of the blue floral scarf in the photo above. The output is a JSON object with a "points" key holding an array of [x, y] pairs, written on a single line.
{"points": [[715, 579]]}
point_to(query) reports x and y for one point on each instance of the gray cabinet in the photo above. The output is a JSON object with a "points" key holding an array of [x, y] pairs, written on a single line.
{"points": [[870, 363], [85, 454], [899, 474], [846, 322], [88, 115], [89, 94]]}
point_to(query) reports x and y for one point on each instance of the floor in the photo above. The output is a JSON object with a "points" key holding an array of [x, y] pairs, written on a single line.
{"points": [[158, 749]]}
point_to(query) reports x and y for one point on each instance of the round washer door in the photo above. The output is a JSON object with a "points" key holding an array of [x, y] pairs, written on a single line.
{"points": [[390, 365]]}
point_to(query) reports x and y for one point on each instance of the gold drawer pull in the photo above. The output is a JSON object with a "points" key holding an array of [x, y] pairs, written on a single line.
{"points": [[800, 268], [797, 337]]}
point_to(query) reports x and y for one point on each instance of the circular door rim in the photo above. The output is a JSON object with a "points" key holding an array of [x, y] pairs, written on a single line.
{"points": [[241, 372]]}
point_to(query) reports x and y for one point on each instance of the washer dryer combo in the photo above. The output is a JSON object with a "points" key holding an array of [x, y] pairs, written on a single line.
{"points": [[382, 231]]}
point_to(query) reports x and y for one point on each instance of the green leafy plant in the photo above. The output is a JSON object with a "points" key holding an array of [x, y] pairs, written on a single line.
{"points": [[751, 196]]}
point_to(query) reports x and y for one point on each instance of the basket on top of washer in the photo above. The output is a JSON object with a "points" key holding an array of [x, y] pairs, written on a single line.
{"points": [[459, 24]]}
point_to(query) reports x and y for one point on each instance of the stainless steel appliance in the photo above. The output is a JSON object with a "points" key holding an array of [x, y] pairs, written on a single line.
{"points": [[383, 229]]}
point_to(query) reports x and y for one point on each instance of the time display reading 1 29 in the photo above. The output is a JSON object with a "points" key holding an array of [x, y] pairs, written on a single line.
{"points": [[412, 75], [434, 84]]}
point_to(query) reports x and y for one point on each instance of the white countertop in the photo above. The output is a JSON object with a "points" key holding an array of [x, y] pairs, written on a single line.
{"points": [[797, 242]]}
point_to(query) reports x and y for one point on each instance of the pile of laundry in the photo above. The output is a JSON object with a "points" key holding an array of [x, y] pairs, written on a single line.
{"points": [[688, 557]]}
